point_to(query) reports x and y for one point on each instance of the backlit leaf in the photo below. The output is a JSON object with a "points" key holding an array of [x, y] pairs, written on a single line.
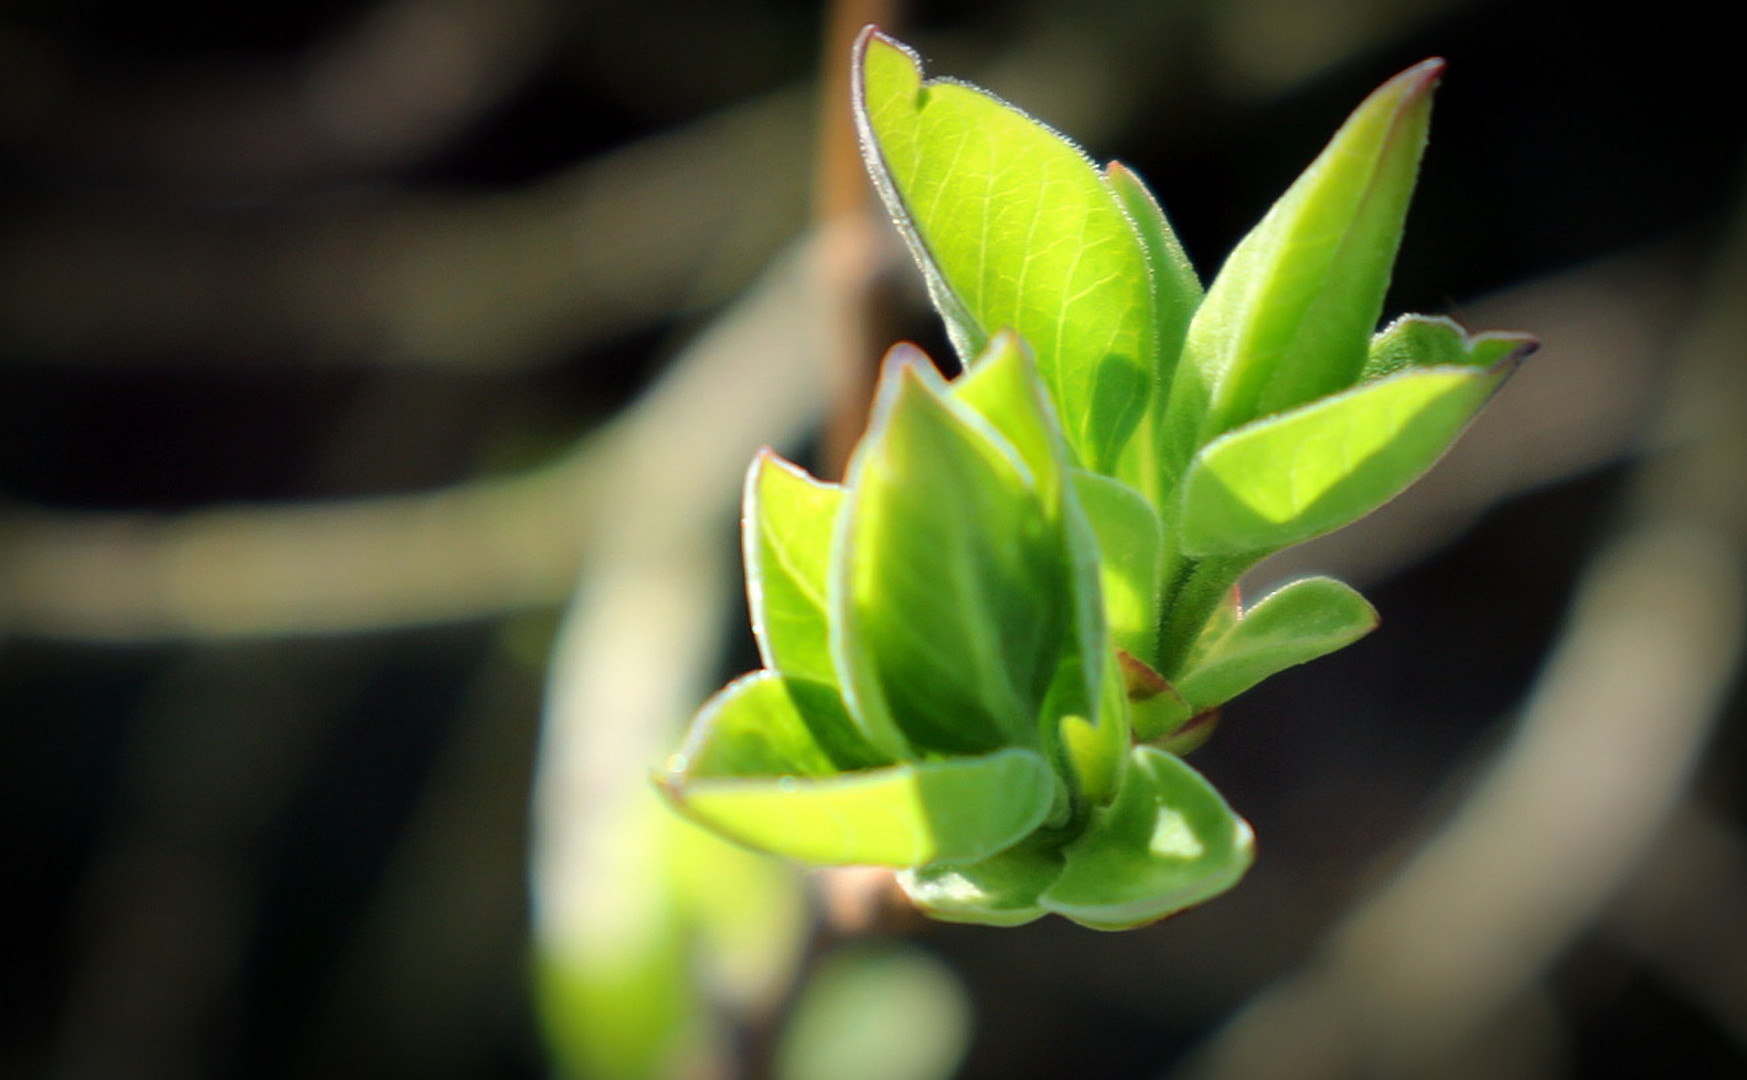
{"points": [[951, 810], [1167, 842], [1287, 478], [786, 535], [952, 581], [1014, 228], [1295, 623], [1289, 315]]}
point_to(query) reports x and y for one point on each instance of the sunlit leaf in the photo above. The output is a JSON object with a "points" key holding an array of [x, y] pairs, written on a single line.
{"points": [[1167, 842], [1289, 315], [999, 891], [951, 810], [951, 600], [1433, 340], [1290, 477], [787, 527], [1092, 750], [1002, 389], [1129, 543], [1176, 294], [1295, 623], [1014, 229], [767, 724]]}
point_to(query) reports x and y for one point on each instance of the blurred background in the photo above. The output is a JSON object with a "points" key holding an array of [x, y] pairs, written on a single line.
{"points": [[375, 383]]}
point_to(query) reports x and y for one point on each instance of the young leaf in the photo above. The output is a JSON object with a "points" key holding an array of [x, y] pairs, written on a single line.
{"points": [[1176, 287], [1433, 341], [1295, 623], [1128, 546], [1002, 389], [1001, 890], [1168, 842], [951, 582], [786, 536], [1155, 708], [1287, 478], [1014, 228], [1176, 294], [766, 724], [1288, 318], [959, 810]]}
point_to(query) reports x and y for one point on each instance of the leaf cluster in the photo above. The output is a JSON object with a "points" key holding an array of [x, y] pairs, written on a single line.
{"points": [[986, 651]]}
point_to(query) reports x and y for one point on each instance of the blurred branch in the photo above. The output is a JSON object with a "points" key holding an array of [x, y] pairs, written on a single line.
{"points": [[1570, 807], [639, 642], [857, 247], [399, 81], [497, 545], [467, 552], [672, 224]]}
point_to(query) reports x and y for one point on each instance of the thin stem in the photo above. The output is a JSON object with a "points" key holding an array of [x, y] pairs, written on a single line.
{"points": [[850, 236], [1195, 593]]}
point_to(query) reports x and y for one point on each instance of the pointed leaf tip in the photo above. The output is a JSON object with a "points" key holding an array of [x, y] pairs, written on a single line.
{"points": [[1288, 318]]}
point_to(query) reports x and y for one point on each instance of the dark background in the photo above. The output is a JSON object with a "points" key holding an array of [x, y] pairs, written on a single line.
{"points": [[257, 257]]}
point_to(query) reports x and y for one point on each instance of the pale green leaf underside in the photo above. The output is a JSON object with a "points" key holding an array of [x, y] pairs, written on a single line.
{"points": [[1001, 390], [766, 724], [954, 810], [1287, 478], [1015, 229], [788, 523], [1295, 623], [999, 891], [1167, 842]]}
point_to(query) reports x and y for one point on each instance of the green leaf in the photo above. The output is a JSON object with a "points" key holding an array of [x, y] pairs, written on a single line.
{"points": [[952, 582], [1176, 288], [1285, 479], [1001, 890], [1155, 708], [1167, 842], [1176, 294], [766, 724], [950, 810], [1014, 228], [1433, 340], [1003, 389], [1288, 317], [1129, 542], [1295, 623], [786, 536]]}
